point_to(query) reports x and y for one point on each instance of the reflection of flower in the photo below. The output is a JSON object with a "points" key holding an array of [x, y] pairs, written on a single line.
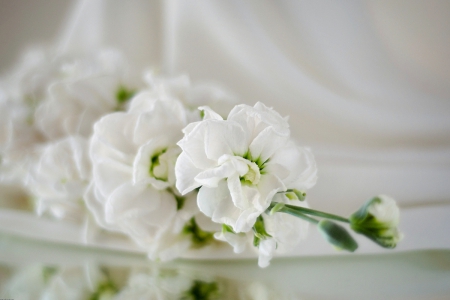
{"points": [[27, 283], [241, 163], [54, 283], [159, 284], [378, 220], [59, 178], [89, 282]]}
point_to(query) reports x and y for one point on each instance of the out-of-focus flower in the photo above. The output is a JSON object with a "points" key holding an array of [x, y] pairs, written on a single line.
{"points": [[48, 97], [88, 89], [132, 190], [241, 163], [59, 178], [378, 220], [193, 96]]}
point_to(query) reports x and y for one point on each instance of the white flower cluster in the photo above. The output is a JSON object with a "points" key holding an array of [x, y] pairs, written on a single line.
{"points": [[170, 165], [48, 106], [88, 140]]}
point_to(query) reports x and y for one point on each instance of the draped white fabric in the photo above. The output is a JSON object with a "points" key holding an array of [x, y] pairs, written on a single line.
{"points": [[366, 84]]}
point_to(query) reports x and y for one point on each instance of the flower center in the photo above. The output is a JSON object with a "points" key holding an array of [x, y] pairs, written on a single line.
{"points": [[253, 175], [159, 166]]}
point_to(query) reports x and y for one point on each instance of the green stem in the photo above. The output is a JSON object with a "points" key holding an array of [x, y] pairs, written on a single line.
{"points": [[298, 214], [312, 212]]}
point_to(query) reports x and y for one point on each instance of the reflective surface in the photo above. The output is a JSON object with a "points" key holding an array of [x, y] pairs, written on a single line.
{"points": [[41, 270]]}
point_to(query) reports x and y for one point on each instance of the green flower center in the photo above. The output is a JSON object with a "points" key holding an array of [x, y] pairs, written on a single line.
{"points": [[158, 166], [253, 175]]}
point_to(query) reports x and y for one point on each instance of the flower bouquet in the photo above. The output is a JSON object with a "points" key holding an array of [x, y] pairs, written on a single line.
{"points": [[167, 164]]}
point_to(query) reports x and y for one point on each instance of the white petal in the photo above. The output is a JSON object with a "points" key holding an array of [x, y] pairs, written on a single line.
{"points": [[266, 143], [209, 113], [211, 177], [268, 186], [266, 250], [238, 241], [114, 131], [139, 211], [237, 195], [208, 199], [299, 162], [109, 174], [185, 172]]}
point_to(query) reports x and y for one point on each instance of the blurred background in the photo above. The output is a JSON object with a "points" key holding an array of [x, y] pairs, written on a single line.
{"points": [[366, 85]]}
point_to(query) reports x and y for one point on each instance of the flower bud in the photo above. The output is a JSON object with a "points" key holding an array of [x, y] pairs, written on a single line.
{"points": [[378, 220], [337, 235], [301, 195]]}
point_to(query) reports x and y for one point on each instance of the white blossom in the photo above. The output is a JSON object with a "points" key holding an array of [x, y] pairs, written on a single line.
{"points": [[58, 179], [132, 190], [89, 88], [48, 96], [241, 163]]}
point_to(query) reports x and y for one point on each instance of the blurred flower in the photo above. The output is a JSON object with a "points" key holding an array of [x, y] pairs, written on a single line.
{"points": [[89, 88], [59, 178], [378, 220], [132, 190], [192, 96], [47, 97]]}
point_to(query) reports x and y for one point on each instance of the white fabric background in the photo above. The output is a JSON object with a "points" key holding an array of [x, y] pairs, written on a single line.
{"points": [[365, 83]]}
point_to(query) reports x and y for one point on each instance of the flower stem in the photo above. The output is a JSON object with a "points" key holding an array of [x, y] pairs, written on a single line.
{"points": [[307, 211], [298, 214]]}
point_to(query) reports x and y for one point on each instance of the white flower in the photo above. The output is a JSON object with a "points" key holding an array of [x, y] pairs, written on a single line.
{"points": [[59, 178], [90, 88], [48, 96], [132, 191], [193, 96], [17, 137], [241, 163], [378, 219]]}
